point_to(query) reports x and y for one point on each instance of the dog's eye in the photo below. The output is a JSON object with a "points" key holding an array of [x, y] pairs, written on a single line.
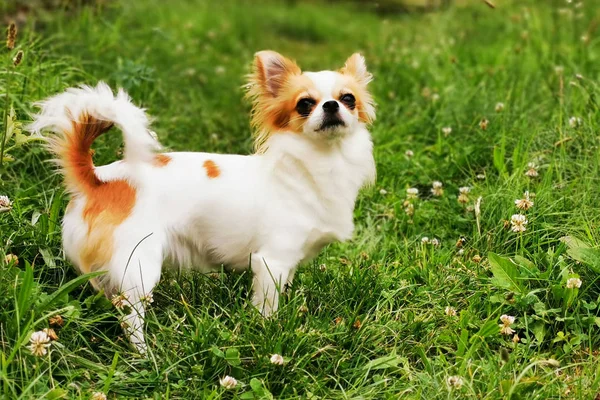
{"points": [[348, 100], [304, 106]]}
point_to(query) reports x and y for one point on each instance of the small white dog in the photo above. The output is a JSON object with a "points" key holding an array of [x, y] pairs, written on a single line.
{"points": [[271, 211]]}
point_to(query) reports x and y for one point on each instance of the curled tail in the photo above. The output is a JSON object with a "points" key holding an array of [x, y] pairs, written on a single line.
{"points": [[79, 116]]}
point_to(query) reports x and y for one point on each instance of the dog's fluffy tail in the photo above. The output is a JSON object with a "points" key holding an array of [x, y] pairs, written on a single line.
{"points": [[78, 116]]}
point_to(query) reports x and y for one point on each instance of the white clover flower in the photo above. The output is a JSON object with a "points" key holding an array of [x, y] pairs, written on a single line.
{"points": [[228, 382], [450, 311], [412, 193], [98, 396], [461, 252], [507, 321], [574, 283], [506, 330], [559, 69], [409, 153], [435, 242], [499, 107], [147, 299], [447, 130], [276, 359], [5, 204], [455, 382], [575, 122], [120, 300], [525, 203], [483, 124], [480, 176], [425, 240], [532, 170], [10, 259], [39, 343], [435, 97], [383, 192], [519, 223], [463, 196], [437, 189]]}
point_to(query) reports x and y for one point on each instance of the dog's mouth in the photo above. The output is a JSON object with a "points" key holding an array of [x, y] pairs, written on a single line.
{"points": [[331, 123]]}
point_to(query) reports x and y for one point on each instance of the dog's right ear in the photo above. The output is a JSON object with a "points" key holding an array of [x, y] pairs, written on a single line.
{"points": [[271, 71]]}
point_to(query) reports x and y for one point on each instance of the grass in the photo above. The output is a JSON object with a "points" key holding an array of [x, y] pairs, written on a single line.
{"points": [[367, 319]]}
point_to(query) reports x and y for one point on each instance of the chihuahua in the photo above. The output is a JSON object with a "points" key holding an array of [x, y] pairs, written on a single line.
{"points": [[270, 211]]}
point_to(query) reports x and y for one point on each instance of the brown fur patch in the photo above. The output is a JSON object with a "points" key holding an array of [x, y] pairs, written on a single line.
{"points": [[108, 204], [162, 160], [212, 169], [357, 79], [273, 87]]}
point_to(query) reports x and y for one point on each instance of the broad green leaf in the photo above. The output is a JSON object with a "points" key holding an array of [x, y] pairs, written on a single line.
{"points": [[54, 217], [232, 356], [587, 256], [65, 289], [391, 361], [582, 252], [524, 262], [25, 290], [488, 329], [57, 393], [48, 257], [462, 342], [499, 155], [505, 273], [217, 352], [259, 389], [539, 330]]}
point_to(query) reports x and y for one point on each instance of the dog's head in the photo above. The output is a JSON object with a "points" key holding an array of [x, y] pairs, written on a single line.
{"points": [[320, 105]]}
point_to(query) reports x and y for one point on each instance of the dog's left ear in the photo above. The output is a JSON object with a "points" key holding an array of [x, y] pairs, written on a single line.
{"points": [[356, 66]]}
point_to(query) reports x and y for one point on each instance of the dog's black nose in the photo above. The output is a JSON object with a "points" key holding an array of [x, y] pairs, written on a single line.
{"points": [[331, 106]]}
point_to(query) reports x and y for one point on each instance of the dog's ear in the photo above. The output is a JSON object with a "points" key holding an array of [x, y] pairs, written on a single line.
{"points": [[355, 65], [271, 71]]}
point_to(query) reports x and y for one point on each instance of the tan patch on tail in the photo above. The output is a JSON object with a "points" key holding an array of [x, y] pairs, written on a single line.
{"points": [[162, 160], [108, 204], [212, 169]]}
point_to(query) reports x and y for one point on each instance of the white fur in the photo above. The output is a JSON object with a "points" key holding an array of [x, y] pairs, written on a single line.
{"points": [[271, 211]]}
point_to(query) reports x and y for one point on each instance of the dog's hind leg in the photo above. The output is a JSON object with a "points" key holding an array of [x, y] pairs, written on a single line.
{"points": [[134, 278]]}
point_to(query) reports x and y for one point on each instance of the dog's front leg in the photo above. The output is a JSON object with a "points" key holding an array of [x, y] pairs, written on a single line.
{"points": [[271, 273]]}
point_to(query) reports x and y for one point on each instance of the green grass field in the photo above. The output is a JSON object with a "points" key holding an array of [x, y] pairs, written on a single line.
{"points": [[368, 319]]}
